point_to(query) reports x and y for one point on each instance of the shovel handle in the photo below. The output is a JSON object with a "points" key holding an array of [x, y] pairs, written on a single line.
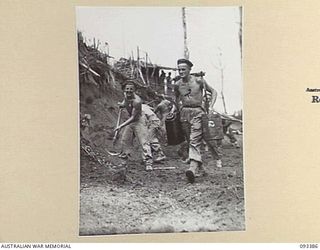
{"points": [[118, 123]]}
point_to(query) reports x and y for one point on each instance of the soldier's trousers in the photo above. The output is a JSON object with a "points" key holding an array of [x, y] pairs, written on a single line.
{"points": [[146, 133], [155, 132], [195, 127]]}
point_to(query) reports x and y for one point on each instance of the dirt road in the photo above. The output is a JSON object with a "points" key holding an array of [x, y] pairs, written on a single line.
{"points": [[162, 200]]}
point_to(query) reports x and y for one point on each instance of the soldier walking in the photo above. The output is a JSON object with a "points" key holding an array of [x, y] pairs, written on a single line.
{"points": [[189, 99]]}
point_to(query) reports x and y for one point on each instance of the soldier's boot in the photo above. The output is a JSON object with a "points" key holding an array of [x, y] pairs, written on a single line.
{"points": [[149, 167], [160, 157], [191, 172], [148, 164], [124, 160]]}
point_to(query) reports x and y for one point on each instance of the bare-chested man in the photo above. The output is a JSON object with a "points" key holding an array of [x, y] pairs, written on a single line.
{"points": [[138, 124], [189, 91]]}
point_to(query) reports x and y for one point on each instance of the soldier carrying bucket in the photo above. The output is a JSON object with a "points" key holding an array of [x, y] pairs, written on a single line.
{"points": [[189, 91]]}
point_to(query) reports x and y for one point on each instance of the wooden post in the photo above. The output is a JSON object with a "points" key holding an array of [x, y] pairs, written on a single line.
{"points": [[147, 71], [142, 77], [184, 24], [222, 82], [107, 45], [138, 61], [165, 87], [132, 65], [221, 68], [138, 58], [139, 68]]}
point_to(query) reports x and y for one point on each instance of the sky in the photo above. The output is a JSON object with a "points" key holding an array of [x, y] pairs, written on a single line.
{"points": [[212, 39]]}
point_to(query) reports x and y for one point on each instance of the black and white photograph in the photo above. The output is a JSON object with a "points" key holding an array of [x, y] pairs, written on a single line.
{"points": [[160, 119]]}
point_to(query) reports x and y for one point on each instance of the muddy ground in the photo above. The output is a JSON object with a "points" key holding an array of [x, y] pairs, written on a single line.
{"points": [[131, 201]]}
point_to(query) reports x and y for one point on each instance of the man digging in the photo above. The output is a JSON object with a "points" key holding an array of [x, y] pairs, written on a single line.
{"points": [[138, 124]]}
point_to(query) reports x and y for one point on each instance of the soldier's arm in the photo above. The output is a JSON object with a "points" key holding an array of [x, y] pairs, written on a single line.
{"points": [[175, 103], [158, 108], [158, 111], [214, 93]]}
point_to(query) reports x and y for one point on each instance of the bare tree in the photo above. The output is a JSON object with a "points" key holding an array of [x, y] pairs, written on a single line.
{"points": [[221, 68]]}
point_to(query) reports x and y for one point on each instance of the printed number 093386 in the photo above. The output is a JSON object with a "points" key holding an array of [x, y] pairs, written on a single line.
{"points": [[306, 246]]}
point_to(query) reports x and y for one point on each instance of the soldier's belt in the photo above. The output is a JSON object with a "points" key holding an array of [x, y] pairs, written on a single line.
{"points": [[192, 106]]}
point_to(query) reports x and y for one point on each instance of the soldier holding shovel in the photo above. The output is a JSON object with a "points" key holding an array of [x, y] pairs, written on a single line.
{"points": [[137, 124]]}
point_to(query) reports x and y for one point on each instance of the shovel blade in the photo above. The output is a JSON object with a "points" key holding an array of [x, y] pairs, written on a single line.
{"points": [[112, 153]]}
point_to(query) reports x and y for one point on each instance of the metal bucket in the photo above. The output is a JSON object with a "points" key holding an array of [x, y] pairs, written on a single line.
{"points": [[212, 126], [174, 130]]}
